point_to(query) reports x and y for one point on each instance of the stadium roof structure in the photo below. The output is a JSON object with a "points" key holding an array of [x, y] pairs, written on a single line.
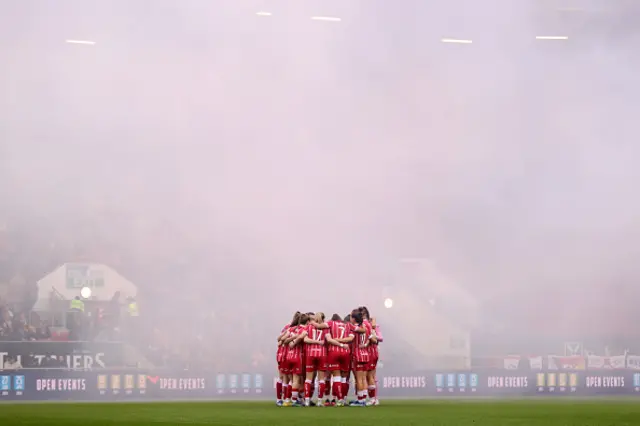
{"points": [[172, 25]]}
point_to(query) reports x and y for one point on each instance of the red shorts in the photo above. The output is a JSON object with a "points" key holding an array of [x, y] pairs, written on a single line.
{"points": [[373, 364], [316, 363], [339, 361], [362, 366], [281, 360], [282, 367], [294, 366]]}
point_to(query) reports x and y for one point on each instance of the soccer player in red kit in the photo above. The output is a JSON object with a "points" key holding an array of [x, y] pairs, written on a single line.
{"points": [[379, 338], [346, 375], [320, 324], [284, 379], [327, 386], [301, 391], [316, 357], [361, 356], [294, 364], [374, 355], [339, 357]]}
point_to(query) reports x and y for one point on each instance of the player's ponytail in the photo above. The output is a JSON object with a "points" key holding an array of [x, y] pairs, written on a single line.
{"points": [[357, 317], [296, 319], [304, 319], [365, 312]]}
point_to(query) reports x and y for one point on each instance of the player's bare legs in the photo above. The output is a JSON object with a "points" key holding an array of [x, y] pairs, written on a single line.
{"points": [[328, 390], [313, 384], [336, 387], [308, 383], [361, 383], [358, 380], [297, 384], [371, 385], [286, 388], [361, 386], [300, 388], [279, 388], [346, 378], [321, 387]]}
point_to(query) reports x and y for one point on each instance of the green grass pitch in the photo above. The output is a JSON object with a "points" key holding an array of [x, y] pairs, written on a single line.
{"points": [[450, 412]]}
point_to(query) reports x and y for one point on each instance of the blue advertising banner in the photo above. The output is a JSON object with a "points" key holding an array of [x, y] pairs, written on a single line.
{"points": [[11, 385], [119, 385]]}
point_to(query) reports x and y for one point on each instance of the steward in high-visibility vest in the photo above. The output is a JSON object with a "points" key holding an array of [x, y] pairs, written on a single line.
{"points": [[133, 309], [77, 304]]}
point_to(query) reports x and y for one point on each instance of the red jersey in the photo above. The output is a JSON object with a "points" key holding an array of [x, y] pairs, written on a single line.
{"points": [[370, 348], [282, 349], [312, 350], [340, 330], [350, 329], [361, 354], [296, 351], [374, 346]]}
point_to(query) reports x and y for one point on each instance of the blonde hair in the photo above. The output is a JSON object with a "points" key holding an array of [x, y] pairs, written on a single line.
{"points": [[319, 317]]}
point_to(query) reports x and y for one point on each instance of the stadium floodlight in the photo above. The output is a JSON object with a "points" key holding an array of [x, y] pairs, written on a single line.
{"points": [[388, 303], [552, 38], [85, 292], [456, 40], [326, 18], [87, 42], [263, 13]]}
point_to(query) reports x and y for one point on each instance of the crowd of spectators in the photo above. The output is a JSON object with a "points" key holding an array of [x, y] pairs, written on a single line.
{"points": [[30, 248], [15, 327]]}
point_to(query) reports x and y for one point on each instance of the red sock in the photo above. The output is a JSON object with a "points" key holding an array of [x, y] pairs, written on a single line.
{"points": [[288, 392], [372, 391], [337, 390], [307, 389], [279, 390], [321, 389], [361, 396]]}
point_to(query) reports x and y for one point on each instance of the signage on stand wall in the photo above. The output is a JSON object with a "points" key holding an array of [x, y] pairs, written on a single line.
{"points": [[116, 385], [75, 355]]}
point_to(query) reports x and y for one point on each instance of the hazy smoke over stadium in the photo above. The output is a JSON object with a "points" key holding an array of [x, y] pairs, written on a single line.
{"points": [[245, 166]]}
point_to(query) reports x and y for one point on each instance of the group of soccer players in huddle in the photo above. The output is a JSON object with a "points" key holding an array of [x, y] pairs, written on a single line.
{"points": [[311, 348]]}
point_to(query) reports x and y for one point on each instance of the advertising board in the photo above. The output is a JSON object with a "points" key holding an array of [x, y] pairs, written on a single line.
{"points": [[118, 385]]}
